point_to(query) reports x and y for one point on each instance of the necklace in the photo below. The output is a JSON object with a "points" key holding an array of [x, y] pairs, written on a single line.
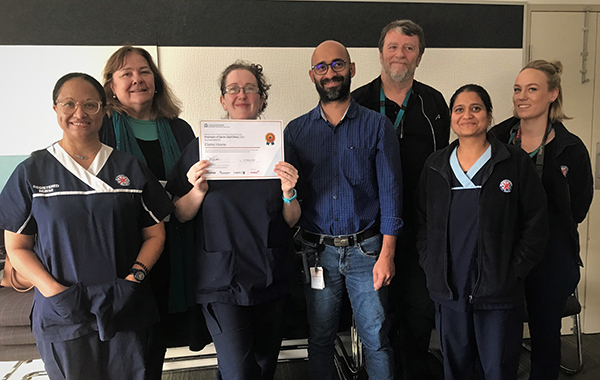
{"points": [[74, 155]]}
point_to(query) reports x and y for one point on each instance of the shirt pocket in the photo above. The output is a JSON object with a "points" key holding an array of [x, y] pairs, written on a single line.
{"points": [[357, 164]]}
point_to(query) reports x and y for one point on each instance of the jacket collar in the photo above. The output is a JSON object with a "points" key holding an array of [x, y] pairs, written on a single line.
{"points": [[417, 86], [562, 139], [499, 153]]}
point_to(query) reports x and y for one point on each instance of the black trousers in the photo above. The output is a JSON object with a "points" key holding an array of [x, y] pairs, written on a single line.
{"points": [[413, 314], [547, 288]]}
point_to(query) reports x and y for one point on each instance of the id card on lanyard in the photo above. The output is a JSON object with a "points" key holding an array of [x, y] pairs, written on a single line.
{"points": [[400, 115]]}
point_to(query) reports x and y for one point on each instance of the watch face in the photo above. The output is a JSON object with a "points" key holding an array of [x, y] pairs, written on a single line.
{"points": [[139, 275]]}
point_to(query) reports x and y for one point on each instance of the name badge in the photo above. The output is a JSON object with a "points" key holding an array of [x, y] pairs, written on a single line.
{"points": [[316, 278]]}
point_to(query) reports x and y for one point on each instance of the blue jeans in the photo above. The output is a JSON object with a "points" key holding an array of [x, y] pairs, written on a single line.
{"points": [[350, 267]]}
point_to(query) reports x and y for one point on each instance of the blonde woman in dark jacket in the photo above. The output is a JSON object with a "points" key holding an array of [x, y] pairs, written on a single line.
{"points": [[563, 163]]}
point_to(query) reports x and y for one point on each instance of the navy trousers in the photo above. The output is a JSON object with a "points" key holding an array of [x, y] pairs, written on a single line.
{"points": [[492, 337], [247, 338], [87, 357]]}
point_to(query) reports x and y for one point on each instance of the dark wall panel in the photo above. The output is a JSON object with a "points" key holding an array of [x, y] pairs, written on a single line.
{"points": [[251, 23]]}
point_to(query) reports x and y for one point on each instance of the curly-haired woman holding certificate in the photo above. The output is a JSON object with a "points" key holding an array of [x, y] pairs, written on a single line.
{"points": [[244, 258]]}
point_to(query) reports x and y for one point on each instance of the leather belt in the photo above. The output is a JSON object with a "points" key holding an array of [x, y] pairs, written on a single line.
{"points": [[341, 240]]}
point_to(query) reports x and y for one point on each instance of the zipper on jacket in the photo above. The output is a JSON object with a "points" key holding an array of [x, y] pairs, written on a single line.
{"points": [[430, 124], [479, 248], [442, 174]]}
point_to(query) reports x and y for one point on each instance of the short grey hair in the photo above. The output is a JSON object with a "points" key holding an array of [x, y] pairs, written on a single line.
{"points": [[407, 27]]}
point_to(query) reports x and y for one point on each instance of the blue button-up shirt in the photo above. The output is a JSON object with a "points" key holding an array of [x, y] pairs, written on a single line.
{"points": [[350, 174]]}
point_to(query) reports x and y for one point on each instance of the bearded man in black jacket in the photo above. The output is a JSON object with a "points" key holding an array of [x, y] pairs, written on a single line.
{"points": [[422, 122]]}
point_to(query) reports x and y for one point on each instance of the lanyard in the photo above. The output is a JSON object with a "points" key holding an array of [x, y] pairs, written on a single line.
{"points": [[515, 139], [400, 113]]}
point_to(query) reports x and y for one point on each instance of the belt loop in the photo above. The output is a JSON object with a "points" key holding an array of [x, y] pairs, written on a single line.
{"points": [[355, 238], [321, 238]]}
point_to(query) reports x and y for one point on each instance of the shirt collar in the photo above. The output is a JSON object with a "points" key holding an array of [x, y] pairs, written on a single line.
{"points": [[317, 112]]}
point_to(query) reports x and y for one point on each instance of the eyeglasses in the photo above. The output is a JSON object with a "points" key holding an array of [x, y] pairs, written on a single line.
{"points": [[322, 68], [68, 106], [248, 89]]}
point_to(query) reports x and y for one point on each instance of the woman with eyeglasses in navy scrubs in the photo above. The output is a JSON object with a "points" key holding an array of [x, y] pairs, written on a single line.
{"points": [[243, 242], [84, 224]]}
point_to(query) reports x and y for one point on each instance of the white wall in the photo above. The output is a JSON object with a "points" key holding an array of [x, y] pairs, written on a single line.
{"points": [[193, 73], [29, 73]]}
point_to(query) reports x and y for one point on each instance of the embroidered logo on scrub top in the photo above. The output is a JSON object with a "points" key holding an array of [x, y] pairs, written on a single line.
{"points": [[122, 180], [506, 186], [564, 169], [47, 188]]}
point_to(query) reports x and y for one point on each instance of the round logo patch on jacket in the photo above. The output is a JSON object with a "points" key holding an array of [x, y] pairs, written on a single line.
{"points": [[123, 180], [506, 186]]}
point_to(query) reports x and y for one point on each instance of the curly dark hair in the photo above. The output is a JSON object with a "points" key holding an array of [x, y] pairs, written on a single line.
{"points": [[256, 70]]}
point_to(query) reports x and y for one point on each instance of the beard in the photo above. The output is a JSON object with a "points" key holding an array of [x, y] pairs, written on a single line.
{"points": [[400, 75], [334, 94]]}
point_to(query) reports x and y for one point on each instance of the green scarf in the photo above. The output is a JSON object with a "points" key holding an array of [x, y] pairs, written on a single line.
{"points": [[126, 141], [180, 235]]}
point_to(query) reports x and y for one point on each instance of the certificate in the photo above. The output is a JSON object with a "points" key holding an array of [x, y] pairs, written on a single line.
{"points": [[241, 149]]}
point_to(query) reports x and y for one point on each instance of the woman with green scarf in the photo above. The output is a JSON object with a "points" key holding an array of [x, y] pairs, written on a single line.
{"points": [[142, 120]]}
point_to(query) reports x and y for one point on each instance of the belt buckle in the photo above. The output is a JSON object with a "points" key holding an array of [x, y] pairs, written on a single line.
{"points": [[341, 241]]}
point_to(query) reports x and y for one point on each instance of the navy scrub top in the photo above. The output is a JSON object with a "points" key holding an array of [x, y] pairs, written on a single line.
{"points": [[88, 225], [242, 242], [463, 230]]}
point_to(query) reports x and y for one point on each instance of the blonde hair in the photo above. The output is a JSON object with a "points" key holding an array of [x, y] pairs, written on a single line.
{"points": [[553, 70], [164, 104]]}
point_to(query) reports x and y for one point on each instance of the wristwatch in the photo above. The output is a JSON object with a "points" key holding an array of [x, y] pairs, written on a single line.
{"points": [[138, 274]]}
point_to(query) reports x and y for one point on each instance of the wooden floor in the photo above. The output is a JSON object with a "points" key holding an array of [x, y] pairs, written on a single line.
{"points": [[299, 370]]}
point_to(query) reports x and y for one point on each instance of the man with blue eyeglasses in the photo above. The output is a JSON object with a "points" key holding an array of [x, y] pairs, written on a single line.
{"points": [[350, 192]]}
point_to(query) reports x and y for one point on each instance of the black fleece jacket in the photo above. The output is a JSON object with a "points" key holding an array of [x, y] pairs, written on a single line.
{"points": [[426, 128], [513, 226], [572, 191]]}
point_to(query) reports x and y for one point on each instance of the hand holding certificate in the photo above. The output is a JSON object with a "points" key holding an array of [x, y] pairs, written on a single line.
{"points": [[241, 149]]}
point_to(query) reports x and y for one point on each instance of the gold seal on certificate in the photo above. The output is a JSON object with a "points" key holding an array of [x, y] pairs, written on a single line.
{"points": [[241, 149]]}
